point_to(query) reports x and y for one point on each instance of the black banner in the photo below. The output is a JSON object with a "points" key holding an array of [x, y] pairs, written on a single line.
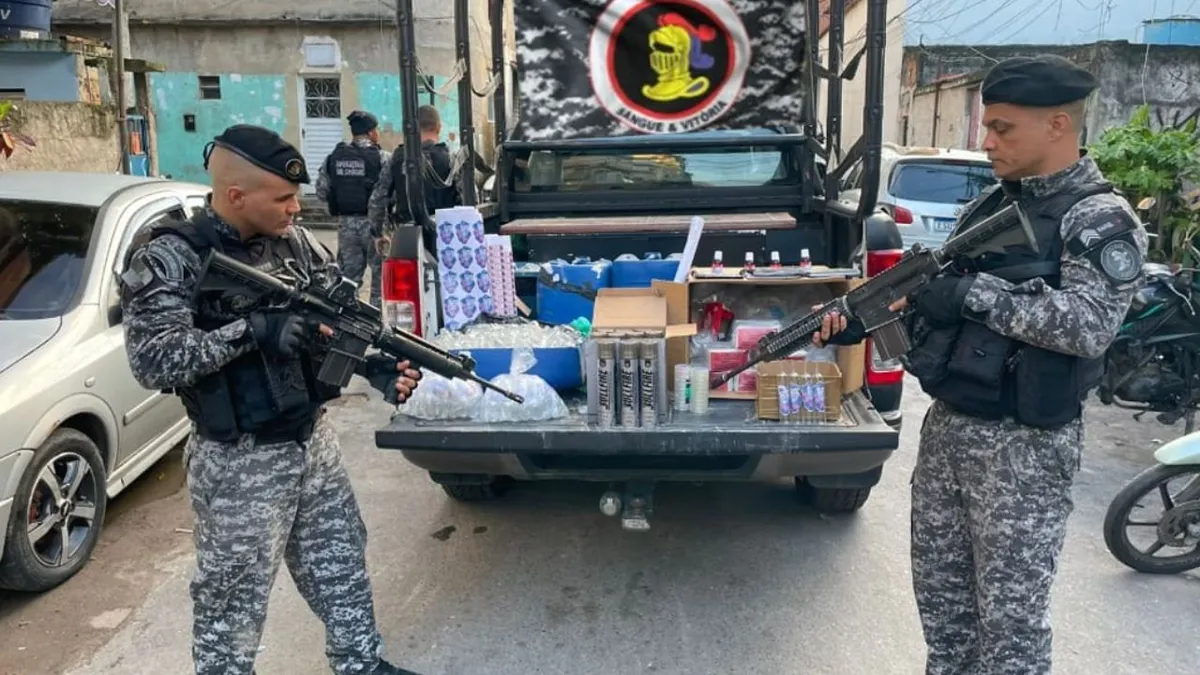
{"points": [[589, 68]]}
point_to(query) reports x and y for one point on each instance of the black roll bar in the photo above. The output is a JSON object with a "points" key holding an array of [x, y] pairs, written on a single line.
{"points": [[466, 97], [413, 159]]}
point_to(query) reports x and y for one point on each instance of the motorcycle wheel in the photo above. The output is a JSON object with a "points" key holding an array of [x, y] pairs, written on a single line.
{"points": [[1115, 522]]}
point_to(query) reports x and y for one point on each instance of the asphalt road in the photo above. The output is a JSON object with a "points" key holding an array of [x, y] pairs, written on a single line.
{"points": [[730, 579]]}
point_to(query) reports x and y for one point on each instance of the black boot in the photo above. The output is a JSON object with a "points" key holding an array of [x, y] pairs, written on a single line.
{"points": [[385, 668]]}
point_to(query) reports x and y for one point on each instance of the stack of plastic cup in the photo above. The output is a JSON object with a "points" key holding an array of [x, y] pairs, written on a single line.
{"points": [[699, 403], [682, 372]]}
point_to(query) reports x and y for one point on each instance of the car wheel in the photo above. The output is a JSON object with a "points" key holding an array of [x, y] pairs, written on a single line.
{"points": [[57, 514]]}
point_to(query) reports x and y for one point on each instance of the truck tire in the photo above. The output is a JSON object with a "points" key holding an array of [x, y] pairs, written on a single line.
{"points": [[469, 487], [833, 500]]}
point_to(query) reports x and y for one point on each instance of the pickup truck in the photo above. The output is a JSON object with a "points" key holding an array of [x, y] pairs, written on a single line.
{"points": [[759, 191]]}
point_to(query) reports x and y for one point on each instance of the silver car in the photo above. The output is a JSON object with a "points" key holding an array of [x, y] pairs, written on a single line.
{"points": [[75, 426], [924, 189]]}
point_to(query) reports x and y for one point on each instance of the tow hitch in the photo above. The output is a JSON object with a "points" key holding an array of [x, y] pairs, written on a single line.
{"points": [[635, 503]]}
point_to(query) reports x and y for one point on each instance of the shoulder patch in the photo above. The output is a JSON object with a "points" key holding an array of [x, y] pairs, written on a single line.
{"points": [[1099, 227], [1118, 258], [1108, 241], [137, 274]]}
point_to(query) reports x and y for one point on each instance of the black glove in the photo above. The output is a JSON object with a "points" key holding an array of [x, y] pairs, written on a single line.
{"points": [[853, 334], [278, 334], [941, 300], [380, 371]]}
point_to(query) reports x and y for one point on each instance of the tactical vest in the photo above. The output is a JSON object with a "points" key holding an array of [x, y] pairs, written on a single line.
{"points": [[353, 171], [975, 370], [275, 399], [438, 195]]}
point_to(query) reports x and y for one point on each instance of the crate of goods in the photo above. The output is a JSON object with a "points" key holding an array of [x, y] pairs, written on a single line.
{"points": [[825, 375], [635, 273], [566, 292]]}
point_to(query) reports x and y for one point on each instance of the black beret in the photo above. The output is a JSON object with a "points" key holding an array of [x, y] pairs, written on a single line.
{"points": [[263, 148], [361, 122], [1036, 82]]}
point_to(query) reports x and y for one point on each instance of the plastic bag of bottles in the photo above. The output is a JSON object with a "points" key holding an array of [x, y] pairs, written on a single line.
{"points": [[541, 401], [440, 398]]}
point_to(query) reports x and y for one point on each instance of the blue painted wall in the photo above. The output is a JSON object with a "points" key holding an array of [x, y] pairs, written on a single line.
{"points": [[262, 100], [379, 93], [245, 99], [45, 76]]}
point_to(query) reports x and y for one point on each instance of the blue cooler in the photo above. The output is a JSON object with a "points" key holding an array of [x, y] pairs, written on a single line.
{"points": [[567, 291], [640, 273], [560, 367]]}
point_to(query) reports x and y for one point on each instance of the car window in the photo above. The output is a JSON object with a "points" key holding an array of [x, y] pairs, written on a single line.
{"points": [[43, 250], [942, 182], [589, 166]]}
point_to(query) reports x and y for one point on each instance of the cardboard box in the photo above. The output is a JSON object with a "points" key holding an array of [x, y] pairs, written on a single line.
{"points": [[851, 361], [772, 373], [656, 313]]}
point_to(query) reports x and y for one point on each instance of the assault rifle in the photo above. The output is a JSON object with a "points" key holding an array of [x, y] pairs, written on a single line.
{"points": [[869, 302], [356, 325]]}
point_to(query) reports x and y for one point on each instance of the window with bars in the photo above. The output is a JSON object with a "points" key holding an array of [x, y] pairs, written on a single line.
{"points": [[322, 98], [210, 87]]}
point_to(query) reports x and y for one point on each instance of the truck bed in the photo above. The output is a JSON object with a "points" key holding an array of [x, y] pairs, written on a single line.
{"points": [[729, 428]]}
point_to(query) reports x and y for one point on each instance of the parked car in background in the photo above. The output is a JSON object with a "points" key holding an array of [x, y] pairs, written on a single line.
{"points": [[76, 428], [924, 189]]}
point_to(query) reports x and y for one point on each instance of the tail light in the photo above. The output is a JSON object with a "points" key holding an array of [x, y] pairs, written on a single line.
{"points": [[879, 371], [878, 261], [401, 291], [902, 216]]}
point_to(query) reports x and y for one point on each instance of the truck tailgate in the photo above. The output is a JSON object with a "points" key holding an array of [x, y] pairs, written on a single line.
{"points": [[729, 427]]}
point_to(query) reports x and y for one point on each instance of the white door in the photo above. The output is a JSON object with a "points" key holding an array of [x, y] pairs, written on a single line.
{"points": [[323, 127]]}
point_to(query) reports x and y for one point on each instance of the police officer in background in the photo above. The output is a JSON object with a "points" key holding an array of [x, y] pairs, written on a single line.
{"points": [[389, 202], [1009, 350], [345, 183], [264, 470]]}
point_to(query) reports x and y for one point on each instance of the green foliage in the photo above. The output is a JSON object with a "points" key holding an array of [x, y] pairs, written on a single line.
{"points": [[1143, 162]]}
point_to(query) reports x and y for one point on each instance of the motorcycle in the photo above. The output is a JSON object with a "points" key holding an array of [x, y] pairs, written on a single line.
{"points": [[1153, 365]]}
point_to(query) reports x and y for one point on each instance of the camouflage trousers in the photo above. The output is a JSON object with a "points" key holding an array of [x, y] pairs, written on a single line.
{"points": [[356, 250], [254, 506], [990, 502]]}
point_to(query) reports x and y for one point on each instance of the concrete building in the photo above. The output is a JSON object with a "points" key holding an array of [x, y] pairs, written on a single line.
{"points": [[940, 103], [62, 69], [298, 68], [854, 91], [64, 115]]}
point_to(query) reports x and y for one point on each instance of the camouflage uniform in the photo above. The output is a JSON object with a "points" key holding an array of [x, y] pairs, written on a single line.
{"points": [[255, 503], [990, 499], [356, 244], [438, 163], [378, 208]]}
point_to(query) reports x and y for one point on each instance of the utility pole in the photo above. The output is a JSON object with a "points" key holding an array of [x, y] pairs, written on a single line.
{"points": [[120, 27]]}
